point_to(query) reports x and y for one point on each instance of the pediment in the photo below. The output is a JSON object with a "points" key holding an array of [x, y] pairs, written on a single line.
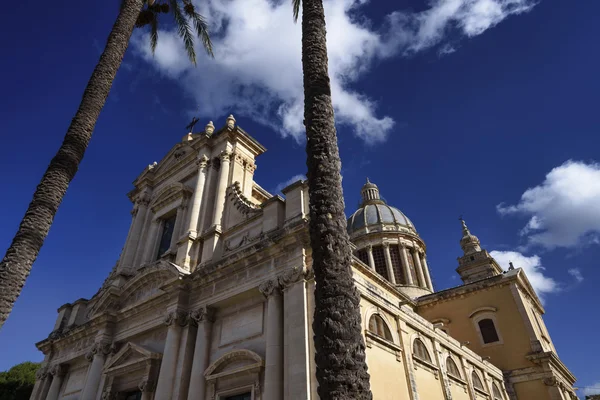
{"points": [[169, 194], [234, 362], [176, 155], [131, 355], [108, 301], [148, 282]]}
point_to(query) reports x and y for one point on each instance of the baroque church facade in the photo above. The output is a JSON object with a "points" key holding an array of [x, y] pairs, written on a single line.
{"points": [[212, 298]]}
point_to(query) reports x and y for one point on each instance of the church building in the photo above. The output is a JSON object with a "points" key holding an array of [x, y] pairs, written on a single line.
{"points": [[212, 299]]}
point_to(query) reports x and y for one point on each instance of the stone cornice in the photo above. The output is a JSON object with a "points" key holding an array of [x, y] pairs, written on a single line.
{"points": [[552, 359]]}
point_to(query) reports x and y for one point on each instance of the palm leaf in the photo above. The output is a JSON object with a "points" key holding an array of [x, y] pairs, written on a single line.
{"points": [[202, 31], [296, 7], [154, 32], [184, 30]]}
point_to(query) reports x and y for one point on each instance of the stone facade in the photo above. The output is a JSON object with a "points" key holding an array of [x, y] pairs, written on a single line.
{"points": [[212, 298]]}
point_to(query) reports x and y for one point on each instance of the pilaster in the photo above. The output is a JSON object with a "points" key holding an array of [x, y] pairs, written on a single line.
{"points": [[204, 318], [274, 380]]}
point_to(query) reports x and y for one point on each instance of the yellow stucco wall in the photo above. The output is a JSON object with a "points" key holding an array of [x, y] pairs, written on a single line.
{"points": [[532, 390], [459, 391], [511, 326], [428, 386], [388, 376]]}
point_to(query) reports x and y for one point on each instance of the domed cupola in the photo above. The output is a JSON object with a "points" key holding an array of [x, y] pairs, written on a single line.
{"points": [[388, 243], [374, 215]]}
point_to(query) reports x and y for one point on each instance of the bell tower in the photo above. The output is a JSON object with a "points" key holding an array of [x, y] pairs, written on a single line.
{"points": [[475, 263]]}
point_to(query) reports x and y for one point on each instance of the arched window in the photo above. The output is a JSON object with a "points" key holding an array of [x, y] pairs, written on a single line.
{"points": [[496, 392], [378, 326], [452, 368], [477, 384], [488, 331], [420, 351]]}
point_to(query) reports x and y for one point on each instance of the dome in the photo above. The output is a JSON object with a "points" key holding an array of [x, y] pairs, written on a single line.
{"points": [[375, 215]]}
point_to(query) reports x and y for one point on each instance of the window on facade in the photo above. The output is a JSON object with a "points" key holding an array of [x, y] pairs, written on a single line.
{"points": [[452, 368], [397, 265], [243, 396], [133, 395], [420, 351], [477, 384], [488, 331], [363, 256], [379, 258], [411, 267], [496, 392], [167, 234], [378, 326]]}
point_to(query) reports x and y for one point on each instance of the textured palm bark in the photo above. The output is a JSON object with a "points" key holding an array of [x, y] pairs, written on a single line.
{"points": [[340, 348], [20, 256]]}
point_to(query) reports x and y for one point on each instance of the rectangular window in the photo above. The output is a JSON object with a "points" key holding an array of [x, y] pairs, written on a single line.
{"points": [[379, 258], [243, 396], [397, 266], [167, 234], [133, 395]]}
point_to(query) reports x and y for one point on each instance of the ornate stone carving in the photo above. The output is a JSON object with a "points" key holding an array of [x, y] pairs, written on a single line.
{"points": [[202, 314], [57, 334], [230, 121], [202, 161], [41, 373], [225, 155], [147, 385], [550, 381], [250, 167], [257, 388], [269, 287], [385, 245], [182, 318], [102, 347], [57, 370], [289, 277]]}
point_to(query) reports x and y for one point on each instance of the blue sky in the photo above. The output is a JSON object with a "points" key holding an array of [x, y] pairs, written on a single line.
{"points": [[451, 109]]}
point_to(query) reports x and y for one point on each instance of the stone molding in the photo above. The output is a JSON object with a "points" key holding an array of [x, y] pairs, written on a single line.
{"points": [[202, 161], [290, 277], [108, 395], [41, 373], [101, 348]]}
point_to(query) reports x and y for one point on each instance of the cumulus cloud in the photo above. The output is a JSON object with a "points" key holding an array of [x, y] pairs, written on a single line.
{"points": [[283, 185], [564, 210], [257, 68], [532, 265]]}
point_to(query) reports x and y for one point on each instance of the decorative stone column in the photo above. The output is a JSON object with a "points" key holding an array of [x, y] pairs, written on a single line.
{"points": [[147, 388], [208, 189], [296, 336], [274, 350], [197, 196], [164, 387], [405, 265], [370, 255], [204, 317], [97, 356], [426, 271], [58, 373], [140, 211], [418, 267], [221, 188], [150, 249], [388, 262]]}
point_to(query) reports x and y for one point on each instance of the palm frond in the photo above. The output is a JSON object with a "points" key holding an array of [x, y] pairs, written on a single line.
{"points": [[184, 30], [154, 32], [296, 7], [202, 31]]}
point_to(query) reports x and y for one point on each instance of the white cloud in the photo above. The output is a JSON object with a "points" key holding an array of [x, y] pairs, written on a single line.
{"points": [[257, 67], [564, 210], [590, 390], [283, 185], [576, 273], [533, 269]]}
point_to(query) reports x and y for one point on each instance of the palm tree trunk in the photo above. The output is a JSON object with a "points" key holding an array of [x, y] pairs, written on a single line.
{"points": [[340, 348], [20, 256]]}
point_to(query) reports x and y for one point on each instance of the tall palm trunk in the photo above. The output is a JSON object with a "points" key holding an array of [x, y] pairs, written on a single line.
{"points": [[20, 256], [340, 348]]}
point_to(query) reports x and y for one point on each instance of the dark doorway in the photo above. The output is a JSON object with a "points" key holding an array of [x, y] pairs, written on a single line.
{"points": [[244, 396]]}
